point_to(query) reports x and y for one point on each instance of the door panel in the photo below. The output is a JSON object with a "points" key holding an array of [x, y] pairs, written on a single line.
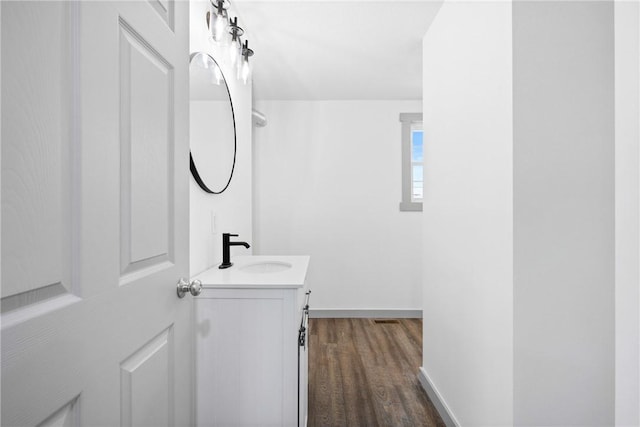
{"points": [[165, 9], [146, 154], [67, 416], [94, 214], [34, 204], [149, 368]]}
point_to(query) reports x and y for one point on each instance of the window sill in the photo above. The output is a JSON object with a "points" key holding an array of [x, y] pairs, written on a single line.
{"points": [[410, 206]]}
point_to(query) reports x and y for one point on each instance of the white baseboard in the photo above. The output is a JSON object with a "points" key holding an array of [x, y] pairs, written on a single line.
{"points": [[322, 313], [437, 400]]}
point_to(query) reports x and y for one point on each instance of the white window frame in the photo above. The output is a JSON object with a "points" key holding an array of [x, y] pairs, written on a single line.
{"points": [[409, 123]]}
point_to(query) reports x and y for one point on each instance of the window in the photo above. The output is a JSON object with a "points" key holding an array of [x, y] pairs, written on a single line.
{"points": [[412, 162], [416, 162]]}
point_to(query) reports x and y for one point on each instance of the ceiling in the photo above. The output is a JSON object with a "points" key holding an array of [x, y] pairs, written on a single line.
{"points": [[315, 50]]}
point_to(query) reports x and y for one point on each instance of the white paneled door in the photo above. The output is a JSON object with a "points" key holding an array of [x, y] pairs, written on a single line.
{"points": [[95, 213]]}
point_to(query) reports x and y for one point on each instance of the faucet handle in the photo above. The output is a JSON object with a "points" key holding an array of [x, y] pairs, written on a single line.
{"points": [[230, 235]]}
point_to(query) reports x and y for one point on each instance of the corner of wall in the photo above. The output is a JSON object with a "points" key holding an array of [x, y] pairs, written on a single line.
{"points": [[436, 398], [468, 211]]}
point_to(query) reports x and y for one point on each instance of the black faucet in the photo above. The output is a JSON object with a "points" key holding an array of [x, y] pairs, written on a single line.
{"points": [[226, 245]]}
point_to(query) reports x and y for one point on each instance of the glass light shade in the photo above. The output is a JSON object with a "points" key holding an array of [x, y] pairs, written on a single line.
{"points": [[218, 24], [234, 51], [238, 67], [246, 70]]}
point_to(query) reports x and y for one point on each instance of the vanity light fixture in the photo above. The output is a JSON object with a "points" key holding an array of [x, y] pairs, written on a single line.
{"points": [[218, 20], [220, 28], [235, 50], [245, 72]]}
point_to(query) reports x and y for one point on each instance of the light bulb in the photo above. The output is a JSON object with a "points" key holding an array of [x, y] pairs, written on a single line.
{"points": [[218, 23], [246, 70], [234, 53], [219, 27], [235, 46], [238, 67]]}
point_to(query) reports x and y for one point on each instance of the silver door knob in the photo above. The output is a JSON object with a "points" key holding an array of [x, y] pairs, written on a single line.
{"points": [[195, 287]]}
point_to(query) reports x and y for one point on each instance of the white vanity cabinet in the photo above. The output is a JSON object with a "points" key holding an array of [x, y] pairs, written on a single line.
{"points": [[251, 370]]}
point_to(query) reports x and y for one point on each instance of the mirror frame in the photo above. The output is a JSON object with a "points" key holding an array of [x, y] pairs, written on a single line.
{"points": [[192, 163]]}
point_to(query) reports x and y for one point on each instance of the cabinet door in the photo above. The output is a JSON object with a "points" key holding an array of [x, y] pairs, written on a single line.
{"points": [[246, 357]]}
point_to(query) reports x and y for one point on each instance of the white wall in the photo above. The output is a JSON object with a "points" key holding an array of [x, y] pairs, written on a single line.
{"points": [[328, 184], [232, 208], [564, 279], [627, 108], [468, 211], [519, 229]]}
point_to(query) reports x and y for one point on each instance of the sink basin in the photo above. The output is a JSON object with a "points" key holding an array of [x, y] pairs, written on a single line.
{"points": [[257, 272], [266, 267]]}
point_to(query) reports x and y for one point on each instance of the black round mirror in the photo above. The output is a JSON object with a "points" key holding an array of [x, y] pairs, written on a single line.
{"points": [[212, 125]]}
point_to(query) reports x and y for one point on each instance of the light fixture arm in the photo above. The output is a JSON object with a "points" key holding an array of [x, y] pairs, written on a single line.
{"points": [[220, 6], [246, 52], [235, 30]]}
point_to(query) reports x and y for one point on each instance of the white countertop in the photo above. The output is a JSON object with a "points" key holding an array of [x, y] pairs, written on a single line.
{"points": [[236, 277]]}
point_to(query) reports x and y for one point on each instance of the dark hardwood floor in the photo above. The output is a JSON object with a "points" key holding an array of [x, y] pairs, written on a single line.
{"points": [[364, 374]]}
